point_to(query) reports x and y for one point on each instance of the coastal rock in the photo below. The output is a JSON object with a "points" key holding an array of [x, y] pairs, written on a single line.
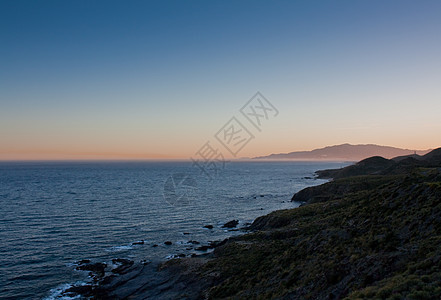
{"points": [[83, 290], [214, 244], [97, 268], [231, 224], [246, 226], [174, 256], [107, 279], [168, 243], [203, 248], [123, 265], [211, 245], [84, 261]]}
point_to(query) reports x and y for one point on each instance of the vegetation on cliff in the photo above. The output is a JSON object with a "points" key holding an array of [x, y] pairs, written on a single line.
{"points": [[370, 236], [376, 235], [381, 166]]}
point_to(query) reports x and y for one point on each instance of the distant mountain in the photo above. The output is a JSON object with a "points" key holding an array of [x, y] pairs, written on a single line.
{"points": [[347, 152]]}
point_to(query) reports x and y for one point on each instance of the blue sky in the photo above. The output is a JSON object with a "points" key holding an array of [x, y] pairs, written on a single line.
{"points": [[159, 78]]}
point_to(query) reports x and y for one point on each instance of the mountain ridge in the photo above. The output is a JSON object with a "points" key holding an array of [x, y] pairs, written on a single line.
{"points": [[346, 152]]}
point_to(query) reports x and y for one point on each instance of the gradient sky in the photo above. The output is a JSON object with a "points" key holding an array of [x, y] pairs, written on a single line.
{"points": [[157, 79]]}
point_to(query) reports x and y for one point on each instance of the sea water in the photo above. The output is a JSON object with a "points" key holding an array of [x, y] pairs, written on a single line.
{"points": [[53, 214]]}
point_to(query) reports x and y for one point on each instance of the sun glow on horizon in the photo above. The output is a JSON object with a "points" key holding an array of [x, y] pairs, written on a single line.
{"points": [[121, 84]]}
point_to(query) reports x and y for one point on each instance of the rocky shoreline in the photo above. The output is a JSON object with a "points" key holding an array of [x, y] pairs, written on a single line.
{"points": [[141, 281], [372, 232], [123, 278]]}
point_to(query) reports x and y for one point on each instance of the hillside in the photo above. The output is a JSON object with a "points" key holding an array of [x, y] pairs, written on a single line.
{"points": [[345, 152], [381, 242], [381, 166], [358, 237], [377, 237]]}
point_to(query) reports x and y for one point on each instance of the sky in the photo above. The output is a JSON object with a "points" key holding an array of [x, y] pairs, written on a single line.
{"points": [[159, 79]]}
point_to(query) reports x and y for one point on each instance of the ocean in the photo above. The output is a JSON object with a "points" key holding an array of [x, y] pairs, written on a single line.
{"points": [[53, 214]]}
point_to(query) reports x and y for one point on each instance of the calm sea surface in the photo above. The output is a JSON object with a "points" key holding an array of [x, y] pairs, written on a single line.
{"points": [[53, 214]]}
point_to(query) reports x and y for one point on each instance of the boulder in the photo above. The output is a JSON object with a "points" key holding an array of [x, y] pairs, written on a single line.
{"points": [[123, 265], [231, 224], [96, 268]]}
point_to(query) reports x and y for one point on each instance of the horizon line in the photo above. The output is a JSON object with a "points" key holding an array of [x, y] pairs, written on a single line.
{"points": [[82, 156]]}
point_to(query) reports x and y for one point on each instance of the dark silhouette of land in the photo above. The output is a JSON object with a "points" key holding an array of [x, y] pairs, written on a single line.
{"points": [[345, 152], [372, 232]]}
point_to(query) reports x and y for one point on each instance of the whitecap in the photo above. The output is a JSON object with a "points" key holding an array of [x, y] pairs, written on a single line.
{"points": [[120, 248], [57, 293]]}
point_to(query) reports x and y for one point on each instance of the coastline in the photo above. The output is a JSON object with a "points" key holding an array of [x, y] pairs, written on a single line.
{"points": [[375, 234], [102, 235], [174, 277]]}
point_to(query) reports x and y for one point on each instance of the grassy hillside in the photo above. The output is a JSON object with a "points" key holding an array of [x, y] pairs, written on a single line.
{"points": [[382, 241], [376, 235], [381, 166]]}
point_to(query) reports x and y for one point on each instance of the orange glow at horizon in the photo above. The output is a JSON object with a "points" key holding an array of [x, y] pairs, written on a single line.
{"points": [[148, 91], [261, 149]]}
